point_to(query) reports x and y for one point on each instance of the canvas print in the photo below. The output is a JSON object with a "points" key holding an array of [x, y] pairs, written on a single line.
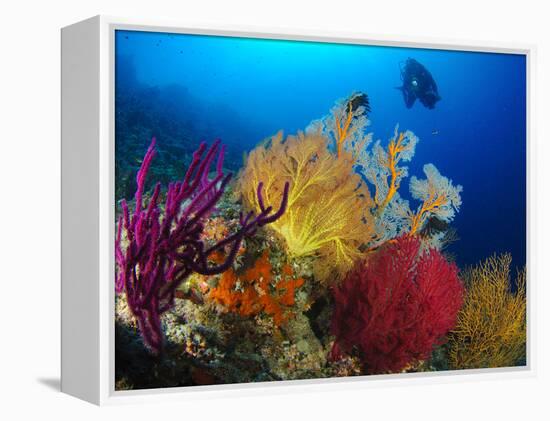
{"points": [[293, 210]]}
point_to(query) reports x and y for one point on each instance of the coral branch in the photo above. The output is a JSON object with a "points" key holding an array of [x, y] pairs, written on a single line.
{"points": [[394, 150], [430, 205], [342, 132], [158, 252], [440, 198], [345, 125], [399, 145]]}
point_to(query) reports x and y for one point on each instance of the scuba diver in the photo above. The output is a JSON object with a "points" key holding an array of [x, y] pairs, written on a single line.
{"points": [[418, 83]]}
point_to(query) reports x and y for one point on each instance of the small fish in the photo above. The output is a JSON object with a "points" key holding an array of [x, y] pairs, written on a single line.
{"points": [[359, 99], [433, 226], [435, 132], [190, 295]]}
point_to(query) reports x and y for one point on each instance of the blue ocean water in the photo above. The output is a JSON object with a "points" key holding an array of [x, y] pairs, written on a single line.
{"points": [[476, 135]]}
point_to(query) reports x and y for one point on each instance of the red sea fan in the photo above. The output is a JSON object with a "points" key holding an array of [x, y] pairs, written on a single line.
{"points": [[396, 306]]}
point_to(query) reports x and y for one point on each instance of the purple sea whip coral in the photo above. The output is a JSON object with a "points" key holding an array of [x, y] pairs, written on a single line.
{"points": [[204, 184], [162, 249]]}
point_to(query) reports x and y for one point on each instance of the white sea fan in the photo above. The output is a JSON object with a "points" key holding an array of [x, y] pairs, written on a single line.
{"points": [[382, 166], [357, 139], [439, 240], [371, 166], [410, 141], [393, 221], [374, 165], [437, 185]]}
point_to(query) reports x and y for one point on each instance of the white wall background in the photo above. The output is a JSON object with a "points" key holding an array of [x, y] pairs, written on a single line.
{"points": [[29, 205]]}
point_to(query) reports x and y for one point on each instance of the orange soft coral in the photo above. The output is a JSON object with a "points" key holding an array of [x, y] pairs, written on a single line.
{"points": [[256, 291]]}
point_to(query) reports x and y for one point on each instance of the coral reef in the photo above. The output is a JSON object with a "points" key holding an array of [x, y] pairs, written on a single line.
{"points": [[258, 291], [328, 213], [491, 327], [205, 344], [158, 252], [346, 279], [394, 308]]}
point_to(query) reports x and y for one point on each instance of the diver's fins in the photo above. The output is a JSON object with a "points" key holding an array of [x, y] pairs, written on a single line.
{"points": [[408, 97]]}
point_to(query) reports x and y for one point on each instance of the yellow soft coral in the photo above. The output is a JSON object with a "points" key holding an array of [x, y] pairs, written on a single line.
{"points": [[491, 327], [328, 213]]}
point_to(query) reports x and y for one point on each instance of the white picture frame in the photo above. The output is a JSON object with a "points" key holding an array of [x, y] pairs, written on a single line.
{"points": [[88, 214]]}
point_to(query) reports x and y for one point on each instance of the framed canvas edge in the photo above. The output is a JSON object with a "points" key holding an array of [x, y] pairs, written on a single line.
{"points": [[108, 395]]}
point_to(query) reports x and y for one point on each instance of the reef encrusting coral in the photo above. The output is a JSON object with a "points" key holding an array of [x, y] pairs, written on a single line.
{"points": [[395, 307], [256, 290], [328, 213], [491, 327]]}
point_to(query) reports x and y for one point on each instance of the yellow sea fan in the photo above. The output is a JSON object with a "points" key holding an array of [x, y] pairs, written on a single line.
{"points": [[328, 213], [491, 327]]}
